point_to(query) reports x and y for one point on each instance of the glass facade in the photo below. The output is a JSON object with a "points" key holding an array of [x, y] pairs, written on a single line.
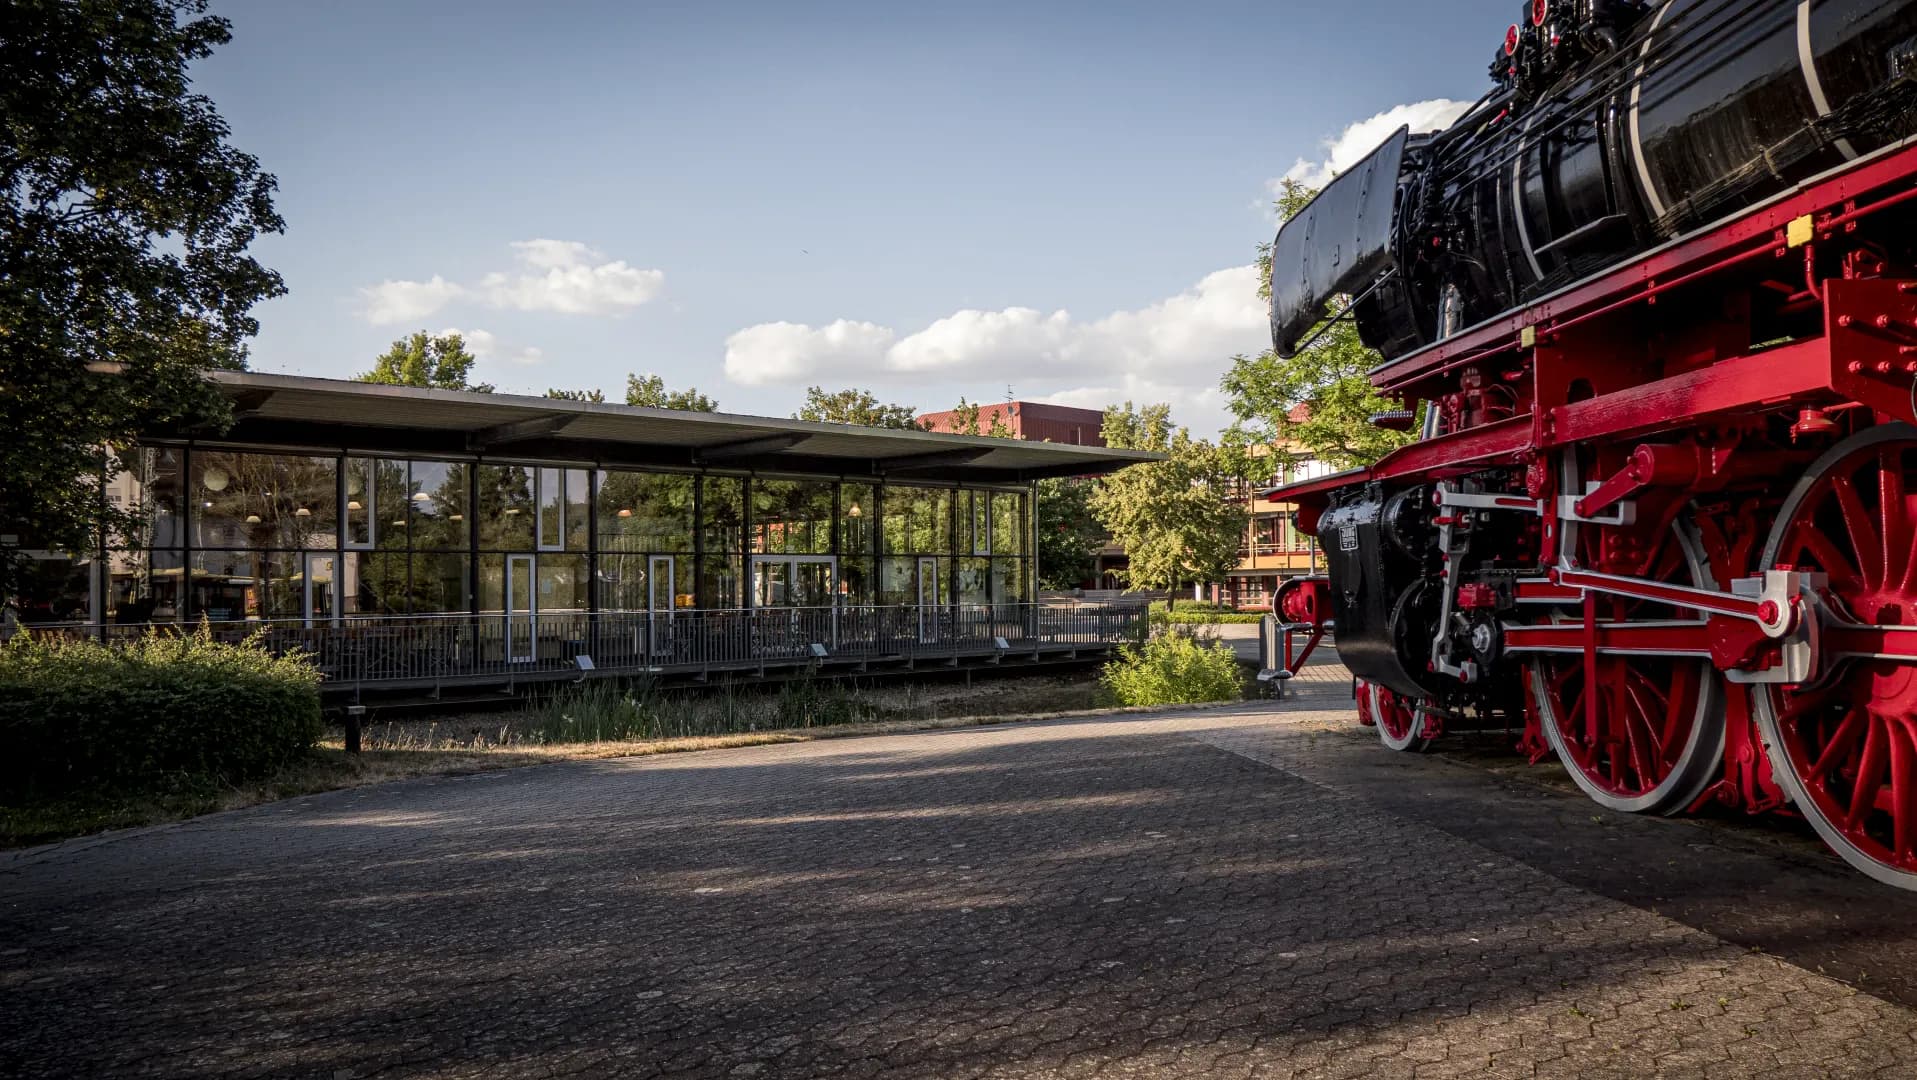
{"points": [[240, 534]]}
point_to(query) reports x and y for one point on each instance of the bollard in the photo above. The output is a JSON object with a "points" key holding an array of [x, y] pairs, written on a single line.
{"points": [[353, 715]]}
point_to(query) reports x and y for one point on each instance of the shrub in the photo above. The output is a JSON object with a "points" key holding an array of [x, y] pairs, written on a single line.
{"points": [[1198, 612], [155, 711], [1174, 666]]}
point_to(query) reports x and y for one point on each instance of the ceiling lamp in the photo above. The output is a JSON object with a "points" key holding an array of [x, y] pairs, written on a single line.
{"points": [[353, 504], [215, 478], [420, 497], [302, 512], [625, 513], [252, 519]]}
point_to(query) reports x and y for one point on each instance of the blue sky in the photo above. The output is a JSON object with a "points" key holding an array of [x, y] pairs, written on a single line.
{"points": [[927, 201]]}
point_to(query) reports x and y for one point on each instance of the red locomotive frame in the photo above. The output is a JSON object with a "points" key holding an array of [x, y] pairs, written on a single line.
{"points": [[1724, 600]]}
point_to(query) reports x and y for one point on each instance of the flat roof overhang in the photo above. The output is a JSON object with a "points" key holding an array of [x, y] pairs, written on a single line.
{"points": [[292, 410]]}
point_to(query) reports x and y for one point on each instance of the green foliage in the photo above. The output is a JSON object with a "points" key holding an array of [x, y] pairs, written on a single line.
{"points": [[435, 361], [650, 393], [1175, 666], [593, 396], [78, 714], [1330, 378], [1069, 534], [123, 265], [857, 407], [1176, 518]]}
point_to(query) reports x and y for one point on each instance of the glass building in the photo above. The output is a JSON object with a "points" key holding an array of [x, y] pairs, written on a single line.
{"points": [[333, 502]]}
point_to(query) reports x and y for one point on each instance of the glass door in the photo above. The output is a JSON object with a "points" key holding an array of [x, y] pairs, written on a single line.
{"points": [[661, 596], [522, 609], [928, 599], [319, 591]]}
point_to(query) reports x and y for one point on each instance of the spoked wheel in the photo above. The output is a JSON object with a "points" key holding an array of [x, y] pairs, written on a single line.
{"points": [[1400, 724], [1845, 748], [1655, 738]]}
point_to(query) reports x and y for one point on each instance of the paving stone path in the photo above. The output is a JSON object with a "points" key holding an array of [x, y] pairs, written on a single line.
{"points": [[1220, 893]]}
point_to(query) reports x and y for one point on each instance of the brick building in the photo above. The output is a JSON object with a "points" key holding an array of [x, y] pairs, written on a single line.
{"points": [[1035, 421]]}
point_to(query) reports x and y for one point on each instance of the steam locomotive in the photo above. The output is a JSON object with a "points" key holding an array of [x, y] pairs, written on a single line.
{"points": [[1651, 304]]}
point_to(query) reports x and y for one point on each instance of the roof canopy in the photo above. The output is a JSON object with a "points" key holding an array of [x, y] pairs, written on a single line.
{"points": [[333, 413]]}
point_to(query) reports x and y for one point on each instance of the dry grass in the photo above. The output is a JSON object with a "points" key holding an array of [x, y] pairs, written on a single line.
{"points": [[483, 743]]}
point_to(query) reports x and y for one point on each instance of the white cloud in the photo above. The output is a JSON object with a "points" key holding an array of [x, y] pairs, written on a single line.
{"points": [[1174, 350], [561, 276], [1352, 144], [571, 279], [788, 352], [484, 345], [404, 301]]}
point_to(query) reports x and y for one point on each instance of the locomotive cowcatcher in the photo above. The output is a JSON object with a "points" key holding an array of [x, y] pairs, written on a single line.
{"points": [[1651, 308]]}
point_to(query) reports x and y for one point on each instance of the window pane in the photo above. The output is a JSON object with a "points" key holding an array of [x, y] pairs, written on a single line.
{"points": [[981, 515], [645, 511], [439, 584], [723, 502], [492, 583], [436, 505], [562, 583], [263, 500], [143, 586], [505, 507], [150, 490], [918, 520], [374, 583], [552, 508], [578, 509], [622, 582], [856, 584], [974, 580], [792, 516], [855, 519], [1008, 523], [361, 504], [720, 583], [228, 585], [1008, 581], [899, 583]]}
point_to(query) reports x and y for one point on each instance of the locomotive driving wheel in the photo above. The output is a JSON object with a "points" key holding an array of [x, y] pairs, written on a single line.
{"points": [[1651, 736], [1845, 747], [1399, 720]]}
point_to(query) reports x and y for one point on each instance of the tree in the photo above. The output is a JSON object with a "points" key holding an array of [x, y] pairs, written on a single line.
{"points": [[123, 265], [593, 396], [651, 393], [1069, 534], [1329, 378], [857, 407], [435, 361], [1176, 518]]}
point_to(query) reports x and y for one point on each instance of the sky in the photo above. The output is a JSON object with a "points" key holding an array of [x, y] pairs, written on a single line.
{"points": [[1060, 202]]}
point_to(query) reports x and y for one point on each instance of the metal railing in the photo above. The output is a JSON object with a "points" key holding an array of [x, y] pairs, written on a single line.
{"points": [[371, 650]]}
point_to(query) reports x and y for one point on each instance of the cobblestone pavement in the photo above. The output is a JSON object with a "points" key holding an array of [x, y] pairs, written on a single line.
{"points": [[1226, 893]]}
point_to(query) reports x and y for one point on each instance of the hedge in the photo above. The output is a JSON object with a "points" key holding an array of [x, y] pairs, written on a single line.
{"points": [[166, 707]]}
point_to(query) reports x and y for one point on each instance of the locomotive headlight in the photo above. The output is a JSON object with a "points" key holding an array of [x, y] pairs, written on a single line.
{"points": [[1511, 41], [1540, 10]]}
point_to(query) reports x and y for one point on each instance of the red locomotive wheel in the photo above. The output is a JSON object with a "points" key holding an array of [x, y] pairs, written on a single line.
{"points": [[1400, 725], [1657, 739], [1845, 749]]}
